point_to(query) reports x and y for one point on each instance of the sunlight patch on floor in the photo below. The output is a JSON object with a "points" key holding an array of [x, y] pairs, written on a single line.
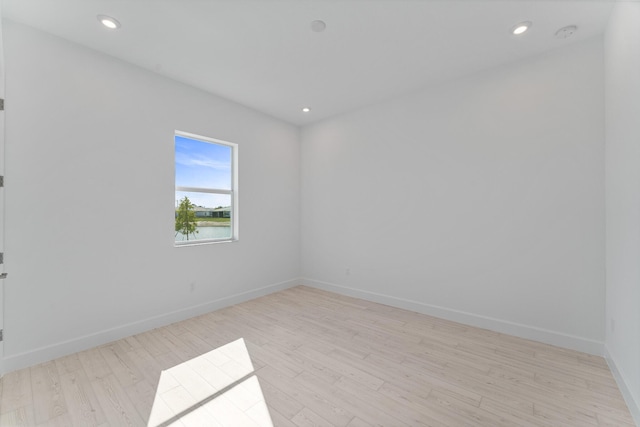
{"points": [[217, 388]]}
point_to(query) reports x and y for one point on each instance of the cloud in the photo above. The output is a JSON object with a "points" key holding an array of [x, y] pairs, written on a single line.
{"points": [[200, 161]]}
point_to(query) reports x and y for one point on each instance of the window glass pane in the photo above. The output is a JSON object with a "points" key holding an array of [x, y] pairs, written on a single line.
{"points": [[205, 216], [202, 164]]}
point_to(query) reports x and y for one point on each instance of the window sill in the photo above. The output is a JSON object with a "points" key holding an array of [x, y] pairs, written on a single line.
{"points": [[202, 242]]}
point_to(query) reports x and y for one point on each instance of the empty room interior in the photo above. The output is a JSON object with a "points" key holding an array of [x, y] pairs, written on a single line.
{"points": [[320, 213]]}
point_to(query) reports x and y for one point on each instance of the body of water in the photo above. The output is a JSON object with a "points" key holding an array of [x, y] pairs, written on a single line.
{"points": [[207, 233]]}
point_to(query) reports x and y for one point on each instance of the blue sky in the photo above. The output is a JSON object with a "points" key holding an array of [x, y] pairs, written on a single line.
{"points": [[204, 165]]}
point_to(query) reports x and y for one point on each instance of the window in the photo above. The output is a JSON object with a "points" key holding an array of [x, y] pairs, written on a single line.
{"points": [[206, 193]]}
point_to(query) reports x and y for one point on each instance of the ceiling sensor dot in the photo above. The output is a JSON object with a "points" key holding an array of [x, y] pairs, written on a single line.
{"points": [[566, 32], [318, 26]]}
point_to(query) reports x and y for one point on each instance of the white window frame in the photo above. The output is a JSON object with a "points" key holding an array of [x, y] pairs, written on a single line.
{"points": [[233, 192]]}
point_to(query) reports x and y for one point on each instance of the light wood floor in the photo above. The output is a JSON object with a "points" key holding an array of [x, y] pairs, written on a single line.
{"points": [[321, 359]]}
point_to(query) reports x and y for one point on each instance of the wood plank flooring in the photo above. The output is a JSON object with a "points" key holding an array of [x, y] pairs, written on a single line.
{"points": [[305, 357]]}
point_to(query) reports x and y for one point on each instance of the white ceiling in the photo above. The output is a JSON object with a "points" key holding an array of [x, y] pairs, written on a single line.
{"points": [[263, 54]]}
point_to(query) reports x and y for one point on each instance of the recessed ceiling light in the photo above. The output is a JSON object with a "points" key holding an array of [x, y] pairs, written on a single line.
{"points": [[566, 32], [318, 26], [306, 109], [520, 28], [109, 22]]}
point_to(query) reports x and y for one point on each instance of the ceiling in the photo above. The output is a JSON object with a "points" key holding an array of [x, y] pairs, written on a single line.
{"points": [[263, 53]]}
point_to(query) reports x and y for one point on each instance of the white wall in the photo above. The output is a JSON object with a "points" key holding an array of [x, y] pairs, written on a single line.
{"points": [[1, 192], [481, 200], [89, 200], [622, 83]]}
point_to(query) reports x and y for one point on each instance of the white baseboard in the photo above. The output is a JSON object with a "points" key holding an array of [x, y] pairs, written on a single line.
{"points": [[44, 354], [632, 403], [503, 326]]}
